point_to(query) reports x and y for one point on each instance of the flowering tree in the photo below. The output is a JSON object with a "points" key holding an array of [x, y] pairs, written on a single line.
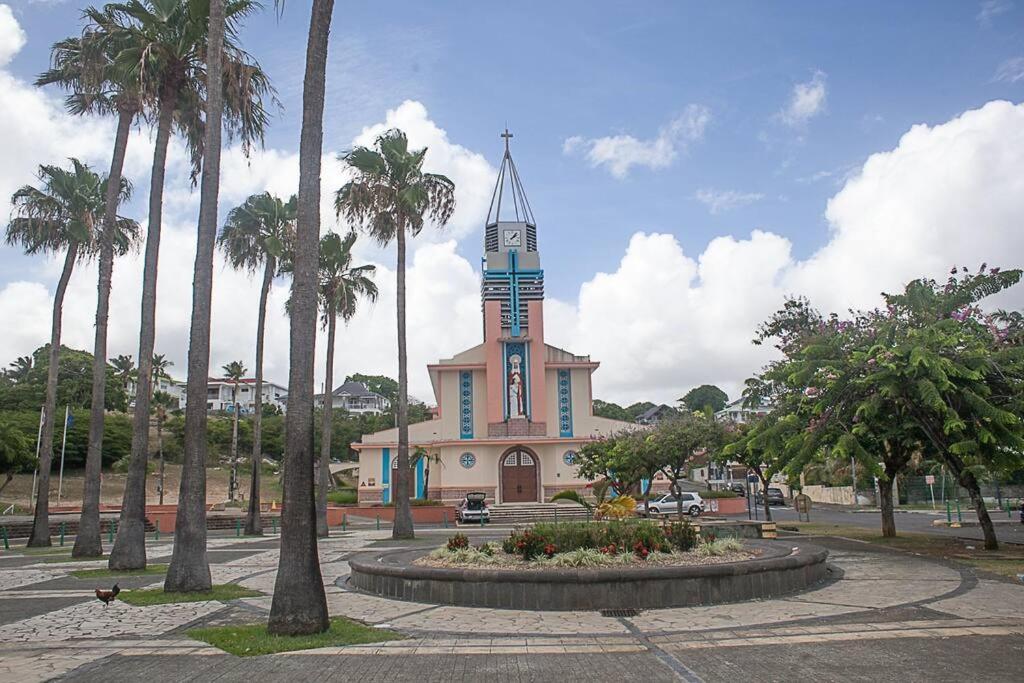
{"points": [[932, 374]]}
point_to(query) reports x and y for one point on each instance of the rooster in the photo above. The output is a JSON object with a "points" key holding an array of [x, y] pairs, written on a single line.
{"points": [[107, 597]]}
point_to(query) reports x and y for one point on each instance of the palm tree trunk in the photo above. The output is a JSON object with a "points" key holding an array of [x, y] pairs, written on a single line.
{"points": [[426, 479], [87, 542], [300, 604], [403, 513], [325, 431], [253, 521], [160, 451], [233, 488], [189, 569], [40, 537], [764, 496], [129, 551]]}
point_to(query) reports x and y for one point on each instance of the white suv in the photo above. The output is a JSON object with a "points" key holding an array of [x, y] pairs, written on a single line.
{"points": [[693, 505]]}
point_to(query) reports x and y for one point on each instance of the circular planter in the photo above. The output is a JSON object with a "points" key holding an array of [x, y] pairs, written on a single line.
{"points": [[780, 569]]}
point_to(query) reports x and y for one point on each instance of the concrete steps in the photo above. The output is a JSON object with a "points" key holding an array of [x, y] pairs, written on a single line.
{"points": [[527, 513]]}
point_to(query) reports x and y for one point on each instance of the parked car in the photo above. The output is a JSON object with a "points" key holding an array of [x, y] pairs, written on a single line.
{"points": [[739, 489], [473, 509], [775, 497], [693, 505]]}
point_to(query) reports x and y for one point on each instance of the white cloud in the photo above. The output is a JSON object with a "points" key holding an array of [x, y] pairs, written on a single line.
{"points": [[1010, 71], [806, 101], [12, 37], [990, 9], [619, 153], [718, 201], [665, 321]]}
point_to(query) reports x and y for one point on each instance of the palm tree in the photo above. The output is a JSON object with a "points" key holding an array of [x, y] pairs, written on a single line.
{"points": [[124, 370], [300, 604], [234, 371], [341, 285], [19, 369], [163, 45], [84, 66], [162, 402], [389, 197], [257, 235], [61, 216], [160, 365]]}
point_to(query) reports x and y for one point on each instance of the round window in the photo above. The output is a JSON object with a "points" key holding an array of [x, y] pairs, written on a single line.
{"points": [[569, 458], [467, 460]]}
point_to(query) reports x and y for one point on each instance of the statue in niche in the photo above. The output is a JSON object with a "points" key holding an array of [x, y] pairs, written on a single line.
{"points": [[516, 388]]}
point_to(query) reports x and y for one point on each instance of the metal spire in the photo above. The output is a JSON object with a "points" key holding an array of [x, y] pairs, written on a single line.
{"points": [[508, 174]]}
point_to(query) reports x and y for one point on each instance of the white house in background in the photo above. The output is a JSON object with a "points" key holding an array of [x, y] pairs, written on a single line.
{"points": [[355, 398], [171, 387], [218, 395], [736, 412]]}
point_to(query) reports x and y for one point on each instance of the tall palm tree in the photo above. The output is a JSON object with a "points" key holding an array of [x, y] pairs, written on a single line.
{"points": [[235, 372], [341, 285], [257, 235], [300, 604], [62, 216], [124, 370], [84, 66], [164, 45], [231, 81], [160, 365], [389, 197], [162, 402]]}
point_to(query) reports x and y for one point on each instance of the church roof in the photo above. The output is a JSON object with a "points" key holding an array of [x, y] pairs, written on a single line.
{"points": [[509, 193]]}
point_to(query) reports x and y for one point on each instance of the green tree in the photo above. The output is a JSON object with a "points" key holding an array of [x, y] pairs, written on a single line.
{"points": [[341, 286], [676, 442], [74, 384], [61, 216], [15, 452], [392, 197], [124, 368], [705, 396], [612, 411], [257, 236]]}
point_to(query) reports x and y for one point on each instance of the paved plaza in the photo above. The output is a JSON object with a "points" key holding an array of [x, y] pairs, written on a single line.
{"points": [[885, 615]]}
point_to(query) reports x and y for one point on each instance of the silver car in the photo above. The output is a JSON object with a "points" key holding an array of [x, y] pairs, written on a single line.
{"points": [[693, 505]]}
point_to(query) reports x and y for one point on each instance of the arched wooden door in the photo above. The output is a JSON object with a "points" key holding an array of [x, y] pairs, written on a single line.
{"points": [[518, 477]]}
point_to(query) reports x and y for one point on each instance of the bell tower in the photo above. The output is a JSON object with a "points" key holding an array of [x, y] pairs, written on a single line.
{"points": [[512, 290]]}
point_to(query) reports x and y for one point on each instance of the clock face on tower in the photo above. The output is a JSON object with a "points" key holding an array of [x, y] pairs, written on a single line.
{"points": [[513, 238]]}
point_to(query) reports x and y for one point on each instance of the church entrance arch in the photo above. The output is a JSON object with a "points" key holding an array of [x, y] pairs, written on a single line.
{"points": [[519, 475]]}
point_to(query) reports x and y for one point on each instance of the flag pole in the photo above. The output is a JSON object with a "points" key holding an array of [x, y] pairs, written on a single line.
{"points": [[63, 443]]}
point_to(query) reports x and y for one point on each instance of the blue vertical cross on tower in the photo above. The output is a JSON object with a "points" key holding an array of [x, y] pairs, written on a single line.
{"points": [[513, 274]]}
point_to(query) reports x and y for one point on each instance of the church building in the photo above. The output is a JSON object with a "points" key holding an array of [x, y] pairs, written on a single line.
{"points": [[512, 411]]}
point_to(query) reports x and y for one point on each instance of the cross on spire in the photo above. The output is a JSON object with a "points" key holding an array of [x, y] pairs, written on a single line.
{"points": [[507, 137]]}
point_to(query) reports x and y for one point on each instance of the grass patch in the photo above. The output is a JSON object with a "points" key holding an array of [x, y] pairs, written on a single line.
{"points": [[1007, 561], [104, 572], [252, 639], [156, 596]]}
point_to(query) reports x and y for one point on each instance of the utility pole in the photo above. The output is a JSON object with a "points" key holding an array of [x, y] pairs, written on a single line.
{"points": [[63, 444]]}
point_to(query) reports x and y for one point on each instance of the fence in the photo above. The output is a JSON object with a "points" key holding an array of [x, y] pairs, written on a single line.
{"points": [[916, 491]]}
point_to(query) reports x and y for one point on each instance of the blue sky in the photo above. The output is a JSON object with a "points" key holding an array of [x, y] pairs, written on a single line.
{"points": [[590, 71]]}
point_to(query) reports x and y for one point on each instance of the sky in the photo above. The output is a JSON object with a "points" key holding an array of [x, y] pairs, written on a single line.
{"points": [[689, 166]]}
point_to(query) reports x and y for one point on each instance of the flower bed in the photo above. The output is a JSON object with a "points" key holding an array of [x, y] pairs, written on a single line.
{"points": [[579, 545]]}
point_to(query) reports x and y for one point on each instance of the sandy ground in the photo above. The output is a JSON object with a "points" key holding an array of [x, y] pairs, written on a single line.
{"points": [[112, 487]]}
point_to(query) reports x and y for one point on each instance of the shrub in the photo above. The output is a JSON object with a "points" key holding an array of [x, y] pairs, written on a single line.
{"points": [[458, 542], [528, 544], [343, 497], [486, 549], [681, 535], [581, 557], [722, 493], [719, 547], [568, 494]]}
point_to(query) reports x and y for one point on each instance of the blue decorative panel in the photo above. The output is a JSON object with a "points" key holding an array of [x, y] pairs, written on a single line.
{"points": [[466, 404], [467, 460], [517, 394], [569, 458], [564, 403], [420, 478], [385, 475]]}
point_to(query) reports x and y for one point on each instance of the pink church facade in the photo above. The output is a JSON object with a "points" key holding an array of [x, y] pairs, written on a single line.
{"points": [[512, 411]]}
